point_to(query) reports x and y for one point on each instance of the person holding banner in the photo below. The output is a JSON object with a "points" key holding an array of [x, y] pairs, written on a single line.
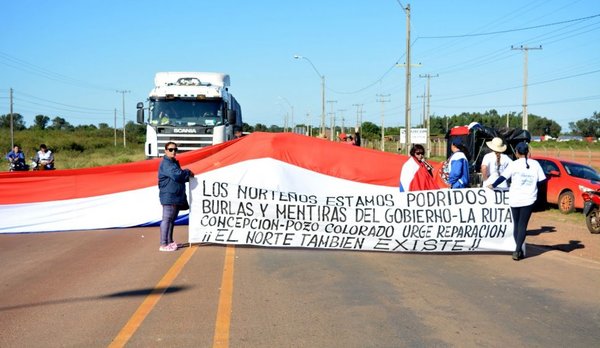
{"points": [[525, 174], [494, 163], [458, 176], [171, 185], [416, 174]]}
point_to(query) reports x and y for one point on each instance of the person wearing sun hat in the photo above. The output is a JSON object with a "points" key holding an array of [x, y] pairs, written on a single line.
{"points": [[494, 163], [525, 174]]}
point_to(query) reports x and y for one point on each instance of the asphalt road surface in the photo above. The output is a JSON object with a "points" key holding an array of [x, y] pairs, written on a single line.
{"points": [[114, 288]]}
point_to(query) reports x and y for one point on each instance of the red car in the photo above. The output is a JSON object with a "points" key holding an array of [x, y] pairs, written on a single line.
{"points": [[567, 180]]}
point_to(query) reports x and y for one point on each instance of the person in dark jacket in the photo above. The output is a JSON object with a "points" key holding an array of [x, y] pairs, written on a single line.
{"points": [[171, 185]]}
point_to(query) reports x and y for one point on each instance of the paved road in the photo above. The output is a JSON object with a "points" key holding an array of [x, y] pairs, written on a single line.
{"points": [[88, 289]]}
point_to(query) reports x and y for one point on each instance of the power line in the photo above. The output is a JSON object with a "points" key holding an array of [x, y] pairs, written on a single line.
{"points": [[83, 108], [37, 70], [509, 30], [520, 86]]}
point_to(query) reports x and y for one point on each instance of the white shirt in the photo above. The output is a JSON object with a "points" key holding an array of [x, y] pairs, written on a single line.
{"points": [[523, 188], [493, 170], [45, 156]]}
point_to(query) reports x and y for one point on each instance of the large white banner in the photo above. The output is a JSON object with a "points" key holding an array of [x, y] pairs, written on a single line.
{"points": [[379, 219]]}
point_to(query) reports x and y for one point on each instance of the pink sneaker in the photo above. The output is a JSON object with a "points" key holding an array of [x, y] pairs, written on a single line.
{"points": [[167, 248], [174, 245]]}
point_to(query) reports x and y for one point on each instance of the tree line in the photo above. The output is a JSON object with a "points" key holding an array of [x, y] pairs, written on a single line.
{"points": [[439, 125]]}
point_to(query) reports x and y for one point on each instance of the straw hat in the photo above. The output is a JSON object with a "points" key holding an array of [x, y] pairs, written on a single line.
{"points": [[496, 145]]}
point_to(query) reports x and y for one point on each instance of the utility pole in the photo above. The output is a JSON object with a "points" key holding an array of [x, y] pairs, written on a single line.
{"points": [[341, 111], [525, 49], [427, 114], [124, 138], [407, 110], [383, 100], [115, 127], [308, 130], [359, 112], [12, 134], [331, 102]]}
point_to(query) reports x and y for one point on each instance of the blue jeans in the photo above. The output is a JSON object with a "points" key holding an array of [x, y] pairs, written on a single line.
{"points": [[521, 217], [170, 213]]}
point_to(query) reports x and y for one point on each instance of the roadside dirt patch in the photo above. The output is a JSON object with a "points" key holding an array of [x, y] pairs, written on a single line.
{"points": [[551, 230]]}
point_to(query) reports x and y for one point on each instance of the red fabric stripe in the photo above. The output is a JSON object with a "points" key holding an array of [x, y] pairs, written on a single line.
{"points": [[322, 156]]}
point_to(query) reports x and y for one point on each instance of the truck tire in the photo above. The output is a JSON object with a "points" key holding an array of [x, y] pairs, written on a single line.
{"points": [[566, 202]]}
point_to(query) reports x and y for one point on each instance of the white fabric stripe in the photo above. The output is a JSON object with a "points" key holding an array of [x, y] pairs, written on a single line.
{"points": [[123, 209]]}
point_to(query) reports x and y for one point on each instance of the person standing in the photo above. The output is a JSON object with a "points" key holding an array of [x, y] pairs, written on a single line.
{"points": [[494, 163], [458, 176], [416, 174], [525, 175], [171, 185]]}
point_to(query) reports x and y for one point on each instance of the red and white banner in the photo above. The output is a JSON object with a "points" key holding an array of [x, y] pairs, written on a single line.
{"points": [[322, 194]]}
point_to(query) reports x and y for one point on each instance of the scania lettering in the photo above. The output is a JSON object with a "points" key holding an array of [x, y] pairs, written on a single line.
{"points": [[192, 109]]}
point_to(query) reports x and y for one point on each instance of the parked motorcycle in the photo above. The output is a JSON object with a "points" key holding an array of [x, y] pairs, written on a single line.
{"points": [[591, 210], [17, 166]]}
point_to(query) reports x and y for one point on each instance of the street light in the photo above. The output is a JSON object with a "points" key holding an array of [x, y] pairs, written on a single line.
{"points": [[322, 92]]}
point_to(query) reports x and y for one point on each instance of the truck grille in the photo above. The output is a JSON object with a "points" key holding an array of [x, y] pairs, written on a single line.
{"points": [[185, 142]]}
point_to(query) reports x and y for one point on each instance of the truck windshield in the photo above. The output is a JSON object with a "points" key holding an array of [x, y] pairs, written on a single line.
{"points": [[180, 112]]}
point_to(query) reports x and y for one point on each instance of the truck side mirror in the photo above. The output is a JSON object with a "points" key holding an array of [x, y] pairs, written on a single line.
{"points": [[140, 113], [231, 116]]}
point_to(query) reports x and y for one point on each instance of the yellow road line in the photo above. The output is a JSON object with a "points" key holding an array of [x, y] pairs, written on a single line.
{"points": [[151, 300], [221, 338]]}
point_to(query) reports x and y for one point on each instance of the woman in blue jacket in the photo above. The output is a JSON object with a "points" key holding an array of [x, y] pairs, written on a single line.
{"points": [[458, 176], [171, 186]]}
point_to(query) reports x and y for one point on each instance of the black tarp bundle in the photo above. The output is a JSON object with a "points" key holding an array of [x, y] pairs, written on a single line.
{"points": [[474, 137]]}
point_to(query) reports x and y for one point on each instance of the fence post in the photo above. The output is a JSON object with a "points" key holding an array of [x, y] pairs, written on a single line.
{"points": [[572, 153]]}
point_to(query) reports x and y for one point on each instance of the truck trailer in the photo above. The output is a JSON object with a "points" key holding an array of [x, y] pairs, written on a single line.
{"points": [[192, 109]]}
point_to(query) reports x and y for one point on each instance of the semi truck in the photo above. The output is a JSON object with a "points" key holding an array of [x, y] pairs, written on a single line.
{"points": [[192, 109]]}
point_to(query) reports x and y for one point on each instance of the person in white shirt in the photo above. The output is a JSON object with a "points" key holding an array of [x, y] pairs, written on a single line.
{"points": [[525, 175], [44, 159], [494, 163]]}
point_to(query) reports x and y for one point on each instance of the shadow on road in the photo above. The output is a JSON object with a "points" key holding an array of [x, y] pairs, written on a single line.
{"points": [[131, 293], [542, 229], [538, 249]]}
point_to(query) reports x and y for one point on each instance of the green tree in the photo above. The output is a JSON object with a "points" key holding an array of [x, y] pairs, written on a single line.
{"points": [[59, 123], [370, 131], [259, 127], [40, 122], [247, 128], [275, 129], [543, 126], [588, 127], [17, 119]]}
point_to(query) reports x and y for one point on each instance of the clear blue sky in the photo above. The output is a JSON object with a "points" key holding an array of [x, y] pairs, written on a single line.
{"points": [[68, 58]]}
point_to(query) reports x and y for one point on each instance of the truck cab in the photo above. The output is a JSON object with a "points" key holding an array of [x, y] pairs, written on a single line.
{"points": [[193, 110]]}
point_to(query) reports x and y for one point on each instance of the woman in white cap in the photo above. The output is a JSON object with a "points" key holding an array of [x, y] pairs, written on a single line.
{"points": [[494, 163]]}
